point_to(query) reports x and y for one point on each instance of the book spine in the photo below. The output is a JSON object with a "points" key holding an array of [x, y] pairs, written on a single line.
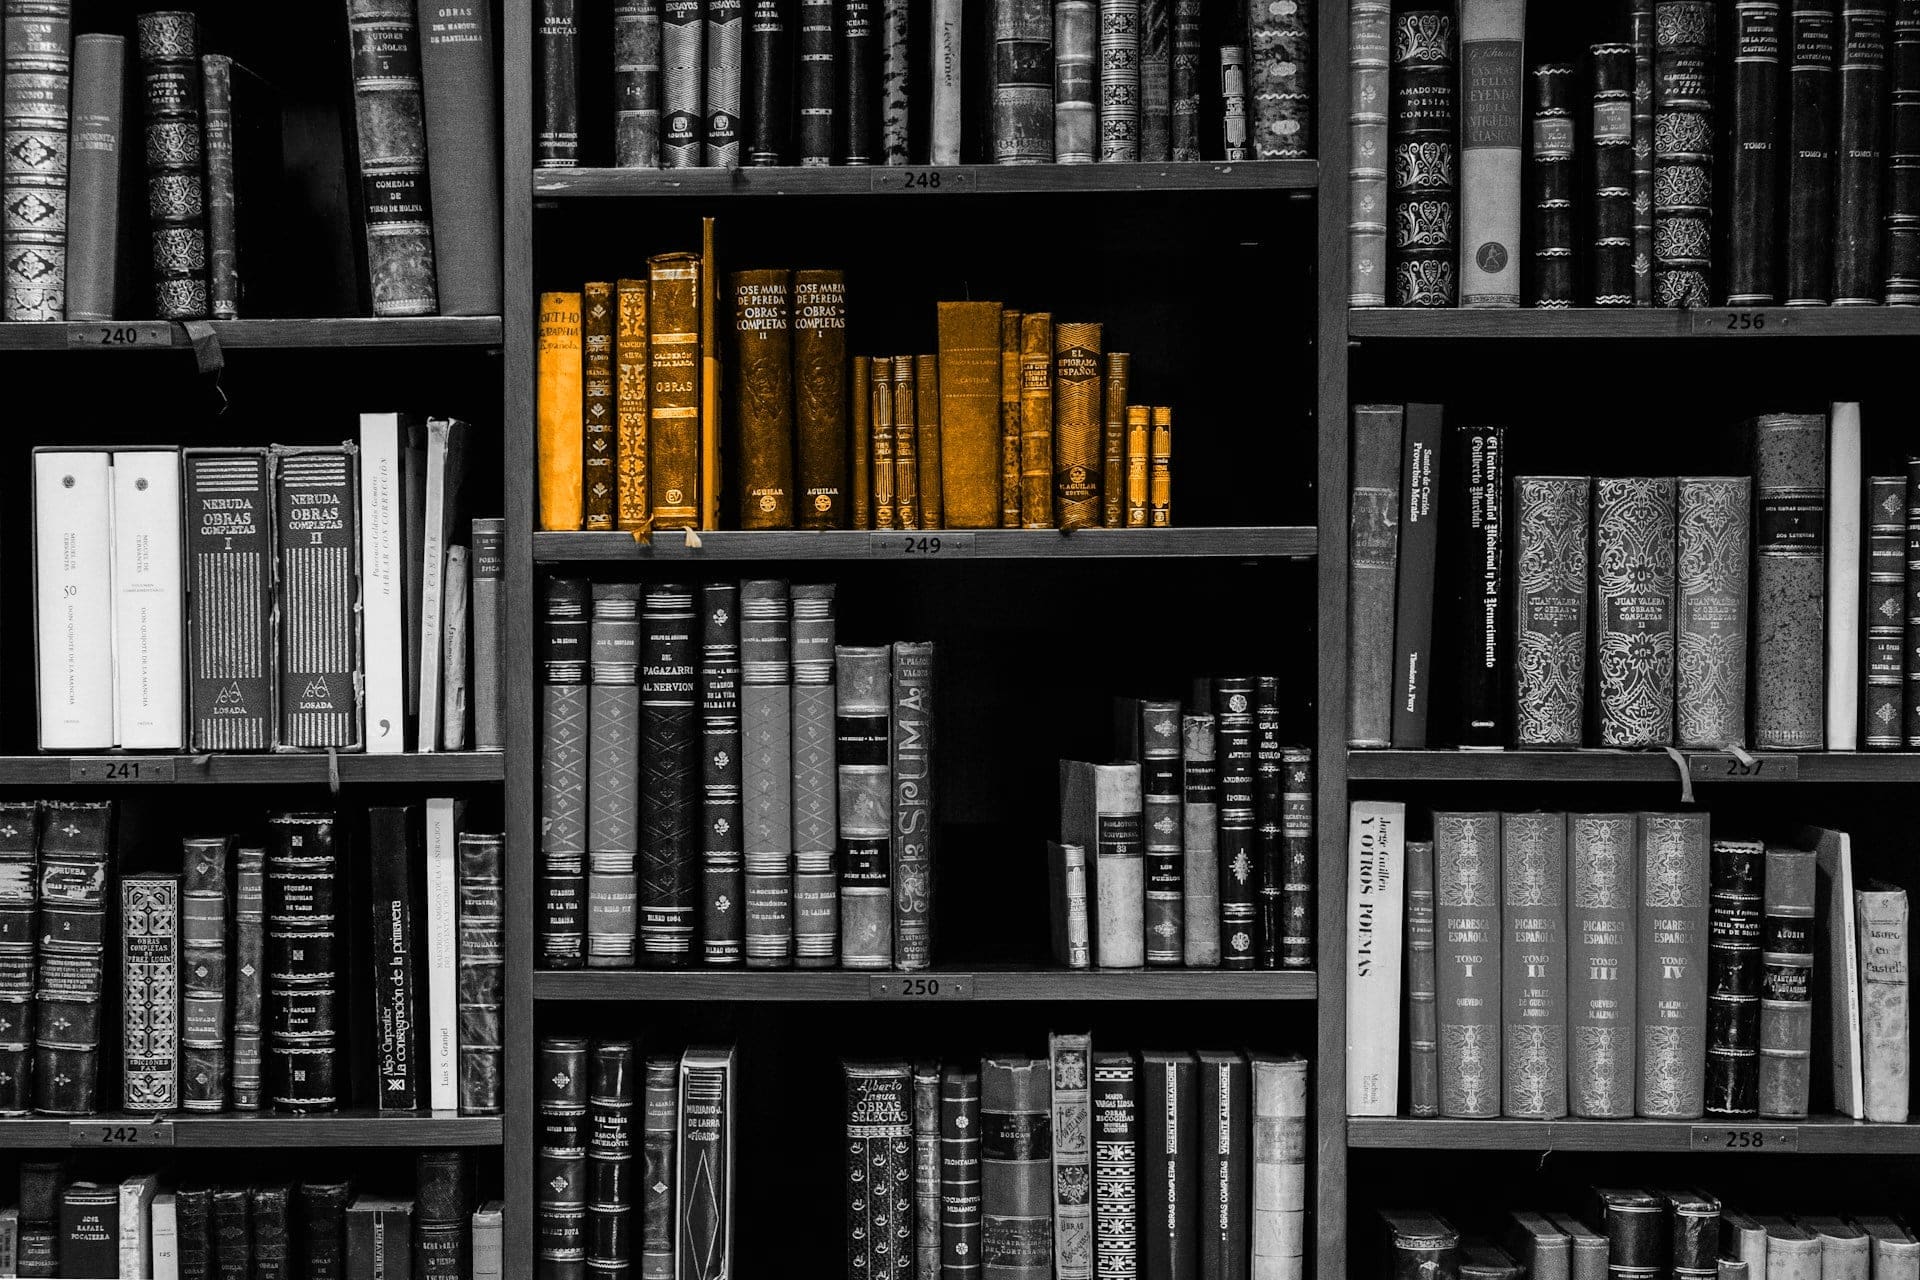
{"points": [[318, 523], [305, 954], [1786, 982], [560, 1156], [1466, 881], [1425, 182], [249, 972], [926, 1171], [599, 439], [1116, 1164], [1076, 112], [1903, 159], [769, 87], [1844, 545], [762, 310], [1423, 1032], [1789, 580], [384, 564], [1078, 424], [633, 502], [682, 80], [1270, 812], [1234, 749], [722, 868], [390, 113], [1478, 494], [1119, 80], [820, 396], [1533, 861], [1156, 88], [150, 968], [489, 1243], [1073, 1247], [393, 845], [927, 425], [1296, 869], [766, 679], [223, 249], [1811, 162], [1860, 152], [725, 36], [1067, 904], [610, 1105], [1884, 1017], [1412, 687], [705, 1155], [1113, 457], [1670, 1071], [487, 583], [148, 680], [1280, 76], [818, 46], [442, 1247], [75, 852], [19, 900], [556, 38], [1550, 179], [1640, 34], [667, 728], [1036, 420], [93, 188], [816, 826], [1169, 1164], [1184, 81], [948, 71], [1160, 792], [1601, 955], [323, 1220], [1373, 543], [1117, 868], [1612, 219], [1200, 868], [74, 604], [1753, 158], [1371, 100], [660, 1121], [1012, 431], [481, 979], [1376, 833], [860, 422], [864, 704], [1683, 152], [911, 763], [1279, 1159], [1160, 475], [673, 393], [1552, 520], [562, 430], [1733, 979], [896, 73], [1492, 92], [959, 1173], [203, 975], [906, 443], [1016, 1175], [37, 74], [1022, 81], [880, 1168], [168, 46], [860, 61], [1633, 590], [1715, 517], [1910, 654], [636, 84], [563, 778], [1884, 711], [457, 61], [1221, 1145]]}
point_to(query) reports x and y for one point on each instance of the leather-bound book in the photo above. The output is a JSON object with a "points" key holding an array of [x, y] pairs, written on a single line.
{"points": [[560, 1157], [377, 1227], [1492, 115], [1012, 324], [1538, 1246], [1423, 1032], [1016, 1173], [766, 723], [203, 973], [1119, 80], [1371, 99], [1420, 1243], [90, 1229], [1885, 1033], [862, 761], [98, 149], [1883, 711], [896, 70], [769, 92], [390, 116], [860, 63], [960, 1171], [556, 128], [926, 1168], [1113, 449], [1199, 784], [1550, 610], [39, 1246], [1611, 222], [598, 472], [636, 84], [1069, 1057], [673, 396], [1633, 597], [913, 804], [1693, 1225], [1160, 792], [1269, 806], [1169, 1164], [710, 379], [270, 1231], [1683, 152], [1789, 580], [150, 985], [481, 980], [323, 1230], [249, 973], [926, 417], [318, 588], [1068, 915], [948, 75], [564, 701], [1233, 708], [1160, 473], [1859, 275], [306, 955], [1635, 1224], [610, 1130], [820, 397], [1077, 424], [1100, 811], [880, 1168], [819, 50], [398, 933], [1466, 881], [19, 898], [1712, 559], [633, 501], [1223, 1087], [704, 1160], [660, 1124], [487, 583], [1640, 35], [1236, 141], [1601, 958], [37, 74], [1813, 104], [1280, 78], [457, 78], [667, 769], [1296, 858], [443, 1205], [1550, 180], [971, 414], [1903, 159], [1373, 547], [763, 337], [1670, 1074], [1156, 80], [1076, 111], [1895, 1253], [75, 851], [1424, 175], [1733, 978], [1473, 542], [885, 476], [722, 883], [906, 443], [1184, 81], [1279, 1157], [1753, 154], [562, 428], [1022, 81], [169, 48], [725, 65], [1845, 1253], [816, 826], [1036, 420], [74, 549], [682, 82], [1533, 899], [1910, 655], [1116, 1163]]}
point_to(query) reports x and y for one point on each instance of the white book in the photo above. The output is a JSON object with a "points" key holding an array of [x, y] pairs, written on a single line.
{"points": [[149, 615], [1895, 1253], [443, 847], [413, 499], [73, 598], [166, 1238], [1837, 950], [1376, 903], [453, 653], [136, 1226], [446, 449], [383, 579], [1744, 1237], [488, 1235], [1278, 1229], [1843, 579], [1885, 1045], [948, 47]]}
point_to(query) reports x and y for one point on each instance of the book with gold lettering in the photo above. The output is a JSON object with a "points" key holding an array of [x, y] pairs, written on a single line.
{"points": [[1010, 325], [820, 397], [881, 417], [906, 446], [764, 352], [1036, 420], [927, 424], [1113, 453], [560, 439], [633, 503], [1160, 469], [971, 409], [1078, 424], [673, 399], [1138, 416], [597, 473]]}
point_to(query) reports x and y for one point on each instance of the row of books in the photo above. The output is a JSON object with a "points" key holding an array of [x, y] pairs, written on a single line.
{"points": [[723, 784], [1630, 1231], [718, 83], [1015, 422], [1760, 141], [152, 1226], [213, 166], [1702, 612], [1608, 965], [252, 599], [1197, 849]]}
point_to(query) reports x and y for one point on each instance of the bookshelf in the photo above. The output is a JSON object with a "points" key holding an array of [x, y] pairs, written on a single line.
{"points": [[343, 1129]]}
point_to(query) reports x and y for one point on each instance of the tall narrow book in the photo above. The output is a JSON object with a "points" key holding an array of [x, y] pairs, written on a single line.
{"points": [[1169, 1164], [1373, 548], [1423, 1031], [1789, 586], [1844, 497], [1223, 1186], [1100, 810], [1714, 520], [1492, 96], [1670, 1073], [613, 761], [1633, 585], [1602, 954], [1199, 816], [669, 865], [1533, 968], [390, 115], [911, 765], [150, 973], [766, 711], [1552, 515], [863, 755], [1423, 177], [880, 1207], [1683, 162], [1072, 1118], [960, 1170], [816, 826], [1733, 978], [1279, 1157], [1466, 883], [1418, 550], [457, 75], [1786, 991], [1376, 834], [1885, 1036], [1016, 1170], [73, 614]]}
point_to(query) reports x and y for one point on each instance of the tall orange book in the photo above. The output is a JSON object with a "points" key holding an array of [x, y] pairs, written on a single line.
{"points": [[561, 438], [969, 380]]}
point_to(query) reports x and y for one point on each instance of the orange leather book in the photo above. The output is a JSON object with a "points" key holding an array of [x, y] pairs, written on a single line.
{"points": [[673, 399], [558, 378], [1010, 419], [1137, 465], [1113, 472], [596, 323], [927, 415], [970, 414], [1078, 424], [820, 398], [1160, 470], [861, 398], [710, 382], [906, 446], [882, 417], [1036, 421], [633, 507], [763, 351]]}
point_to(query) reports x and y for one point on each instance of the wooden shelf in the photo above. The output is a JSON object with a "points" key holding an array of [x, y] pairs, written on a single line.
{"points": [[1634, 322], [265, 1129], [924, 180], [1275, 542], [1628, 766], [1825, 1135], [938, 986], [319, 333], [265, 768]]}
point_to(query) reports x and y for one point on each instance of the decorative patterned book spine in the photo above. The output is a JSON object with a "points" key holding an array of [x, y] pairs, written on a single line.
{"points": [[1881, 910], [1296, 858], [305, 957], [249, 973], [37, 80], [1036, 420], [667, 803], [203, 954], [885, 511], [913, 804], [1200, 866], [1269, 813], [560, 1158], [19, 896], [223, 249], [1116, 1164], [1022, 80], [636, 84], [769, 85], [1068, 917], [1910, 655], [864, 703], [1184, 83], [1425, 171], [613, 803], [660, 1123], [820, 396], [1280, 77], [1370, 32], [948, 73], [1221, 1144], [1160, 792], [398, 933], [1633, 586], [816, 827], [1475, 542], [1903, 159], [169, 47], [926, 1171], [725, 35], [1077, 425], [1100, 810], [1884, 712], [859, 61], [1016, 1173], [75, 852], [896, 72], [1492, 98], [1073, 1249], [318, 581], [1279, 1158], [1812, 101], [630, 377], [1683, 152], [1156, 84], [1612, 218], [1789, 580], [682, 79], [673, 393], [906, 443], [1858, 273], [562, 428], [762, 309], [818, 51], [1754, 154], [1168, 1164], [927, 425], [1550, 179], [1119, 80], [610, 1105], [150, 992], [1160, 474], [1640, 36], [1466, 884], [1533, 899], [880, 1167], [722, 872], [1733, 979], [1670, 1074], [481, 982], [390, 116], [704, 1161], [1373, 548], [766, 679], [959, 1173], [1550, 610], [1113, 454], [1715, 517], [1234, 749], [1601, 983], [564, 700], [1076, 112], [93, 188], [1423, 1047], [556, 37], [599, 436]]}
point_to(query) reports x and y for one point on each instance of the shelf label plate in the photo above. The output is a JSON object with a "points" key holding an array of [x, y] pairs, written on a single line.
{"points": [[1719, 766], [1740, 322], [939, 544], [920, 180], [920, 987], [142, 769], [119, 334], [120, 1133], [1745, 1137]]}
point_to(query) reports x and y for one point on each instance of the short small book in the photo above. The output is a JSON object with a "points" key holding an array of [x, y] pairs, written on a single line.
{"points": [[1100, 811]]}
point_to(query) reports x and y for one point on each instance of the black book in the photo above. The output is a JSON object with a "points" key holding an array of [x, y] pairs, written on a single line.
{"points": [[659, 1131], [169, 50], [19, 896], [1683, 153], [1424, 174], [232, 1233], [40, 1186], [1812, 94], [90, 1230], [1473, 536], [556, 127], [610, 1124], [75, 845], [1169, 1172], [323, 1229], [722, 855], [304, 954], [819, 47], [393, 850], [769, 93], [229, 562], [380, 1234], [1225, 1109], [1550, 179], [204, 1042], [859, 79], [1635, 1225], [1234, 732], [1116, 1163], [668, 696], [613, 757], [1858, 277], [193, 1222], [442, 1216], [316, 500], [482, 958], [1612, 220], [1268, 787], [960, 1171], [562, 929], [1903, 158], [249, 975], [270, 1225], [1733, 979], [1753, 158], [560, 1157]]}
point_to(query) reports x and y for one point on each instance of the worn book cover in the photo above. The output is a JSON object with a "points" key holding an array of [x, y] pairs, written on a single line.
{"points": [[317, 513], [1073, 1248], [1602, 953], [1372, 556], [150, 991], [561, 431], [1376, 906], [1552, 526], [1533, 976], [1787, 981], [391, 131], [1714, 553], [1670, 1074], [1733, 978]]}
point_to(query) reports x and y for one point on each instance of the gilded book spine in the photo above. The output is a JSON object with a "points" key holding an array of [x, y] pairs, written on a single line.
{"points": [[667, 728], [1640, 36], [1533, 897], [682, 79], [1903, 158], [1715, 516], [1022, 81], [632, 508], [1550, 610], [913, 804], [880, 1210], [1160, 794], [1858, 273], [1883, 711], [1466, 882], [562, 428], [1269, 803], [203, 976], [1119, 80], [1113, 452], [673, 399], [1601, 956], [1184, 80], [1076, 112], [725, 35], [1425, 188], [391, 119], [169, 47], [906, 443], [816, 827], [37, 84], [721, 861], [960, 1173], [1077, 424], [1612, 221], [223, 249], [564, 701], [1754, 153], [895, 77], [1633, 536], [1550, 180], [1156, 65], [862, 760], [1683, 152], [1280, 76], [1789, 581], [861, 68], [926, 417], [1036, 421], [766, 725], [613, 755], [1423, 1032], [763, 336], [820, 397], [319, 596], [885, 510], [1733, 979], [1297, 858], [1070, 1061], [818, 47], [610, 1133], [150, 956], [1492, 92], [1369, 99], [306, 956], [598, 478], [1234, 748], [971, 451], [1670, 1077], [926, 1170], [1200, 867], [1160, 470], [636, 84], [1012, 324], [249, 970]]}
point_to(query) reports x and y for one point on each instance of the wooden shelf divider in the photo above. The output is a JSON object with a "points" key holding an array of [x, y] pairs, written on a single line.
{"points": [[883, 986], [1275, 542], [928, 180], [1820, 1135]]}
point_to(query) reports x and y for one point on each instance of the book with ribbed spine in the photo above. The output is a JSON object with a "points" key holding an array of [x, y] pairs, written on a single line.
{"points": [[203, 973], [564, 699], [668, 726], [610, 1133], [1550, 180], [1811, 159], [820, 397], [613, 755], [725, 38], [1903, 157], [1910, 653], [1163, 831], [1602, 953], [1492, 117], [390, 119], [1072, 1121], [768, 96], [562, 439], [1233, 707], [1885, 1021], [97, 150], [906, 443], [1069, 920], [1633, 592], [1640, 28], [249, 974], [1789, 581], [1859, 274], [1683, 159], [863, 714], [660, 1122], [926, 1168], [1100, 810], [1670, 1069], [318, 527], [1022, 80], [960, 1172], [860, 429], [1270, 820], [1036, 420], [1012, 325], [766, 725], [443, 1205], [1373, 550], [480, 983], [1279, 79], [815, 99], [1278, 1152], [682, 82], [1156, 80], [636, 84], [1369, 97], [1786, 982], [1533, 861], [1222, 1086], [457, 61], [1199, 815], [150, 992], [704, 1163], [323, 1224], [1076, 110], [912, 733], [1113, 452], [1423, 1081], [487, 584], [1120, 80], [1183, 88], [89, 1242], [560, 1155], [632, 508], [398, 933], [305, 958], [1466, 880], [816, 826], [19, 898], [556, 40], [1733, 978], [886, 513], [599, 434], [1016, 1169], [722, 870], [1612, 140], [926, 381], [37, 82], [674, 389], [1116, 1163], [1754, 152], [1376, 904], [75, 851], [1883, 710], [1714, 517], [763, 348], [1077, 424], [1550, 609], [1474, 540]]}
